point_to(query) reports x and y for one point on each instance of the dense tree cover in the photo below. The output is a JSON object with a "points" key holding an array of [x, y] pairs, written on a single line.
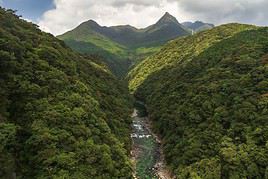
{"points": [[117, 64], [61, 115], [181, 51], [207, 97]]}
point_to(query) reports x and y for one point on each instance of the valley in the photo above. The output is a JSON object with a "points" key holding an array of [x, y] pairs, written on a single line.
{"points": [[172, 100]]}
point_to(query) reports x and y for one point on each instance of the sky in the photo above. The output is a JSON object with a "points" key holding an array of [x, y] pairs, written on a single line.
{"points": [[59, 16], [30, 9]]}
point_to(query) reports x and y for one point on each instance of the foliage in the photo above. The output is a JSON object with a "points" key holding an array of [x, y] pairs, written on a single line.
{"points": [[181, 50], [61, 114], [207, 97]]}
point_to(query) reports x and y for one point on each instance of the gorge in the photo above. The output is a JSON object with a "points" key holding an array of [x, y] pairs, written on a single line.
{"points": [[200, 101]]}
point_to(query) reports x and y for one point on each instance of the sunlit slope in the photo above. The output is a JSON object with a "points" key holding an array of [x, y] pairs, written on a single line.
{"points": [[181, 51], [86, 33]]}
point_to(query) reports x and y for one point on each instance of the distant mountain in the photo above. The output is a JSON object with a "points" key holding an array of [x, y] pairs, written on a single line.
{"points": [[198, 26], [123, 45], [167, 28]]}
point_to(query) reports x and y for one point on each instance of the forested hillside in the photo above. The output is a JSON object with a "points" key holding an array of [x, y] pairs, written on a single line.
{"points": [[207, 97], [180, 51], [61, 115]]}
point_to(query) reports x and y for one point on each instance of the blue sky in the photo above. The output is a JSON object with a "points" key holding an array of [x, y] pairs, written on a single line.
{"points": [[29, 9]]}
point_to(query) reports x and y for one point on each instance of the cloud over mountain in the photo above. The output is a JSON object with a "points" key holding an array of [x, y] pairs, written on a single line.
{"points": [[140, 13]]}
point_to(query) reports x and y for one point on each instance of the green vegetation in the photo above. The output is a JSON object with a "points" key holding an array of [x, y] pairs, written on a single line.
{"points": [[84, 33], [123, 46], [118, 66], [181, 51], [62, 115], [207, 97], [65, 115]]}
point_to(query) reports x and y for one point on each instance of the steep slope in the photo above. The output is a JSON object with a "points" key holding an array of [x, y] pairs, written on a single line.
{"points": [[118, 66], [87, 39], [198, 26], [61, 115], [123, 45], [91, 32], [180, 51], [124, 34], [167, 28], [207, 97]]}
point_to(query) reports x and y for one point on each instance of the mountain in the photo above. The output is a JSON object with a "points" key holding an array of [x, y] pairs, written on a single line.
{"points": [[123, 45], [206, 96], [198, 26], [167, 28], [62, 115]]}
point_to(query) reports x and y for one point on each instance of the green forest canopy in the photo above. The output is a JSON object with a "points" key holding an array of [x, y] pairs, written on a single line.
{"points": [[64, 115], [61, 115], [208, 98]]}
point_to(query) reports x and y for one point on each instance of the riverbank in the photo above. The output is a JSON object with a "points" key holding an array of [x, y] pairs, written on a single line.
{"points": [[146, 152]]}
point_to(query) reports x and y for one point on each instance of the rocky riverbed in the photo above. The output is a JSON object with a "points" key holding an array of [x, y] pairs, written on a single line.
{"points": [[146, 152]]}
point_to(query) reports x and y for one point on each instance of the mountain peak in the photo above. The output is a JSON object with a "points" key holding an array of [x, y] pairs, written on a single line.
{"points": [[167, 18], [167, 14], [91, 22]]}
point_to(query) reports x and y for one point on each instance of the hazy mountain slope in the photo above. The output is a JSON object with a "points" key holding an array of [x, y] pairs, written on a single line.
{"points": [[61, 115], [198, 26], [120, 43], [208, 100], [125, 34]]}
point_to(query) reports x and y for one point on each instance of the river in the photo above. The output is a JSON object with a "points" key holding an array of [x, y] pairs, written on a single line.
{"points": [[146, 151]]}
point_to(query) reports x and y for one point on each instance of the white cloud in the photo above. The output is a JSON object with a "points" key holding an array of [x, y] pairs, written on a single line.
{"points": [[141, 13], [224, 11], [70, 13]]}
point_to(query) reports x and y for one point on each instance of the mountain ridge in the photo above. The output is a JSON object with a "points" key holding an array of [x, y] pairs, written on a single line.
{"points": [[167, 18], [123, 45], [122, 33]]}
